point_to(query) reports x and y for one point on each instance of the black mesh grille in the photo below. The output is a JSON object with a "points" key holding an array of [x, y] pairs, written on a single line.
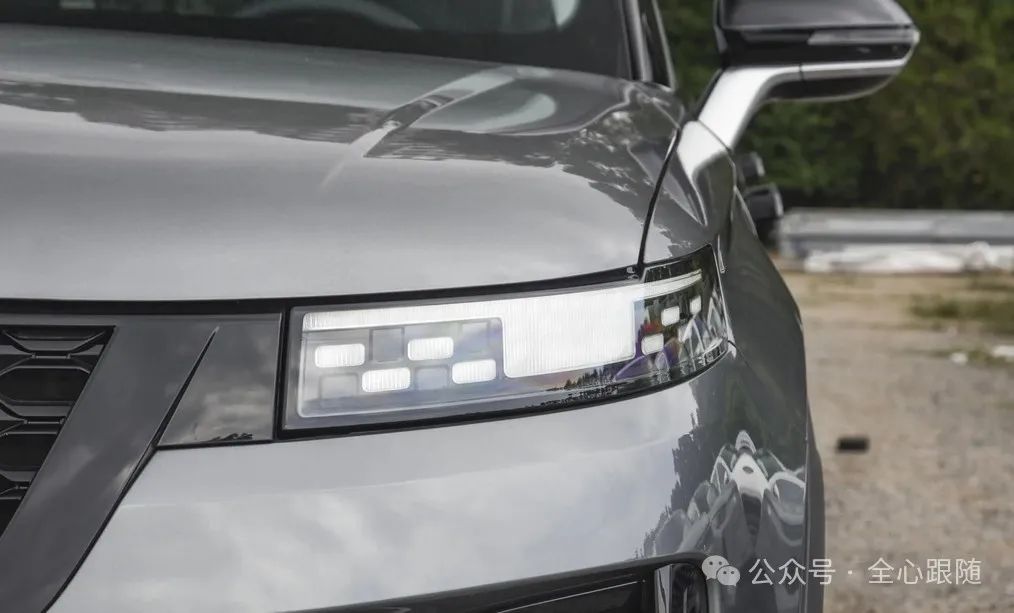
{"points": [[42, 373]]}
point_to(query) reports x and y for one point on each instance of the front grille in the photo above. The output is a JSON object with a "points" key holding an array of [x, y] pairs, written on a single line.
{"points": [[42, 372]]}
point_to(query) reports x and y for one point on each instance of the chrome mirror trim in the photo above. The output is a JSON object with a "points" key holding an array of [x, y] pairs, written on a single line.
{"points": [[739, 92], [841, 70]]}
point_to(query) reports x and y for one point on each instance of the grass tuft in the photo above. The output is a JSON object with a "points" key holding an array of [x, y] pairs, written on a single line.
{"points": [[995, 315], [992, 283]]}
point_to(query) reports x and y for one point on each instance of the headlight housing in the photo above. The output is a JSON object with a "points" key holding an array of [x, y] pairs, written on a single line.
{"points": [[359, 366]]}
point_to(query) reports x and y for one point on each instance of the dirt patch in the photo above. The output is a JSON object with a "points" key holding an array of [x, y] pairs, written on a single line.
{"points": [[938, 479]]}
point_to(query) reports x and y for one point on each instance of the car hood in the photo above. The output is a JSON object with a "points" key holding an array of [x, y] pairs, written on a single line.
{"points": [[142, 167]]}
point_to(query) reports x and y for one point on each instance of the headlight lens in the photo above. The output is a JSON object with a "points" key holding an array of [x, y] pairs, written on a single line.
{"points": [[395, 363]]}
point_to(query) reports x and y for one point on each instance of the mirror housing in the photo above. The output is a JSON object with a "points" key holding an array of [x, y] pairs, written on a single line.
{"points": [[749, 168], [764, 203], [802, 49]]}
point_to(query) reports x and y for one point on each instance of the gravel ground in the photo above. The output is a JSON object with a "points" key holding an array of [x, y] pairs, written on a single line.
{"points": [[938, 479]]}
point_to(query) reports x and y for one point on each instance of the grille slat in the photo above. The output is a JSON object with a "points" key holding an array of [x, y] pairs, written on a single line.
{"points": [[15, 476], [40, 411], [45, 381], [43, 371], [56, 341]]}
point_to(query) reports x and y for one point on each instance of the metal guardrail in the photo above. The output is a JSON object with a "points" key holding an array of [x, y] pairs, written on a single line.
{"points": [[804, 231]]}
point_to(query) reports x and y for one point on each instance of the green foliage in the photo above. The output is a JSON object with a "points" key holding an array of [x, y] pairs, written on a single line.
{"points": [[996, 314], [940, 136]]}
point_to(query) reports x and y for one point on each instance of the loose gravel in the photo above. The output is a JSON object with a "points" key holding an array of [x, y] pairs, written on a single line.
{"points": [[938, 479]]}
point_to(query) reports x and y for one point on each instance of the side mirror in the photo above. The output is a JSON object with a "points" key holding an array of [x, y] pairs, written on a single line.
{"points": [[749, 168], [764, 203], [802, 49]]}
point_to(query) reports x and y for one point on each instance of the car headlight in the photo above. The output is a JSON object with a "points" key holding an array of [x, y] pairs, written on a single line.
{"points": [[354, 366]]}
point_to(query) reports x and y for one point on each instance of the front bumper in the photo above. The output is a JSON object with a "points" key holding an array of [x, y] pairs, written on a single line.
{"points": [[393, 516]]}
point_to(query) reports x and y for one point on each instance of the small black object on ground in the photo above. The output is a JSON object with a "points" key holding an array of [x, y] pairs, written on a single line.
{"points": [[853, 444]]}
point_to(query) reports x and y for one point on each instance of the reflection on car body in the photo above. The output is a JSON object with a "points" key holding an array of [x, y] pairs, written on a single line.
{"points": [[401, 305]]}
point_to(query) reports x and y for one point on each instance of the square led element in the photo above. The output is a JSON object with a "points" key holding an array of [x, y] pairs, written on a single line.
{"points": [[387, 345], [434, 378], [439, 348], [652, 344], [671, 316], [695, 305], [339, 386], [475, 371], [474, 338], [387, 380], [339, 356]]}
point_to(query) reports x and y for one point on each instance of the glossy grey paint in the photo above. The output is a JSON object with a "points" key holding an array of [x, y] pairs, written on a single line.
{"points": [[699, 182], [393, 516], [206, 170], [290, 525]]}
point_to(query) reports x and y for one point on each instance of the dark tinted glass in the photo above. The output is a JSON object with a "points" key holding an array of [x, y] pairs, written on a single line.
{"points": [[654, 35], [585, 35]]}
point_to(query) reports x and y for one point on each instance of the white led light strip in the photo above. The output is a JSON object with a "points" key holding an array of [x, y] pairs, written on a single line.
{"points": [[541, 334]]}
